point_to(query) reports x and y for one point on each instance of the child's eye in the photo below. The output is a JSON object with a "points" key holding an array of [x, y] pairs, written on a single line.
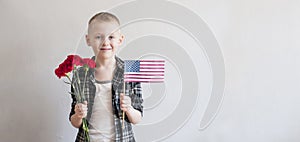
{"points": [[111, 37], [98, 37]]}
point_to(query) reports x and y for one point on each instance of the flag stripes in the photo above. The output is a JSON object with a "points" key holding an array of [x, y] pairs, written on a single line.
{"points": [[150, 71]]}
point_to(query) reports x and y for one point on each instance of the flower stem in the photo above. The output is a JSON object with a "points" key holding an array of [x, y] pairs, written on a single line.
{"points": [[85, 129], [86, 69], [74, 88]]}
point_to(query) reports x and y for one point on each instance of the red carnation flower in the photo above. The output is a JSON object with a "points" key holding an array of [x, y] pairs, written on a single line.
{"points": [[91, 63], [66, 66], [59, 73], [76, 60]]}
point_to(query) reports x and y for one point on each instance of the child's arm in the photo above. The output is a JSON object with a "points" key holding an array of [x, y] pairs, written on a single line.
{"points": [[133, 115], [80, 112]]}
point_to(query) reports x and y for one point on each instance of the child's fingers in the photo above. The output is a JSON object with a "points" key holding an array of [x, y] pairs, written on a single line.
{"points": [[81, 109], [122, 95], [125, 103], [125, 100]]}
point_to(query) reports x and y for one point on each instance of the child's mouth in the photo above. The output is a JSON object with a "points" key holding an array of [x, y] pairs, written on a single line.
{"points": [[105, 48]]}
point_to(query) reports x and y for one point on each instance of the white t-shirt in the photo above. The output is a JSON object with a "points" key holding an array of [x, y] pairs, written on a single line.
{"points": [[102, 128]]}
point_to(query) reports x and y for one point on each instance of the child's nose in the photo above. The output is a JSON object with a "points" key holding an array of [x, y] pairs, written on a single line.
{"points": [[105, 42]]}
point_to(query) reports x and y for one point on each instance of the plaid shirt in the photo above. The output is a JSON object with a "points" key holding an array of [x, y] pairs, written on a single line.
{"points": [[132, 89]]}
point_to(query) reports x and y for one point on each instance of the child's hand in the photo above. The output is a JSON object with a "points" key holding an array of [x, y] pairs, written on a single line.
{"points": [[125, 102], [81, 110]]}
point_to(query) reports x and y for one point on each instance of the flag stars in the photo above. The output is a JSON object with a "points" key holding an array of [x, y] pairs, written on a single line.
{"points": [[132, 66]]}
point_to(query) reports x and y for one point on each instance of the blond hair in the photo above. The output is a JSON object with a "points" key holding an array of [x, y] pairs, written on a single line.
{"points": [[105, 17]]}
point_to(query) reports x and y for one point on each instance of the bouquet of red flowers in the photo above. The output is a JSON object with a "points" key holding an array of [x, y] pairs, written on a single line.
{"points": [[71, 65]]}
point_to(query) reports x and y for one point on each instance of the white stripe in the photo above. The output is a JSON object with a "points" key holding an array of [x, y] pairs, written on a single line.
{"points": [[157, 63], [144, 80], [135, 76], [152, 70], [152, 66], [143, 73]]}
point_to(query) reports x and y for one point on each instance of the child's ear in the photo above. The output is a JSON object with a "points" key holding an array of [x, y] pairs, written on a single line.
{"points": [[87, 39], [121, 39]]}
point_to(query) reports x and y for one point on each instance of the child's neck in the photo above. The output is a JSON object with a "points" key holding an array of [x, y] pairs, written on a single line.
{"points": [[105, 69], [106, 63]]}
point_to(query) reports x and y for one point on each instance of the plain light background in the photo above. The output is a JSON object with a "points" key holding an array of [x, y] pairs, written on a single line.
{"points": [[259, 41]]}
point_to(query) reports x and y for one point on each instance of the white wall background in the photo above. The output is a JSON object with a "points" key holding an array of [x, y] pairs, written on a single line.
{"points": [[258, 39]]}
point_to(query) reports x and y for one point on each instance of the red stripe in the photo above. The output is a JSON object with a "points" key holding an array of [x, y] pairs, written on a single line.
{"points": [[127, 78], [138, 80], [145, 74], [154, 71], [151, 68], [144, 81], [152, 65]]}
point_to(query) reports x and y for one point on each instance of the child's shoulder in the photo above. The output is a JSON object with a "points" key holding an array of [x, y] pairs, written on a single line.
{"points": [[118, 59], [119, 62]]}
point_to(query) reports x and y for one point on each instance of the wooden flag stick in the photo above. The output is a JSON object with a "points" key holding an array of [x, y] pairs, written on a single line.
{"points": [[123, 113]]}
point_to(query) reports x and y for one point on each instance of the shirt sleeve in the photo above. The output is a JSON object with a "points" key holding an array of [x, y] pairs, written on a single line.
{"points": [[136, 96], [72, 104]]}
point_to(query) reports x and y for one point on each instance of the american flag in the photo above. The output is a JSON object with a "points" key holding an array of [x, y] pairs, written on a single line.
{"points": [[149, 71]]}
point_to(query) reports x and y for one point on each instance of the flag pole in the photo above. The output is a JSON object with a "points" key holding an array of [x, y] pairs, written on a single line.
{"points": [[123, 113]]}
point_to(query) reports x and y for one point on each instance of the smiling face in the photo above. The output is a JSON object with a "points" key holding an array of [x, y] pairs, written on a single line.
{"points": [[104, 38]]}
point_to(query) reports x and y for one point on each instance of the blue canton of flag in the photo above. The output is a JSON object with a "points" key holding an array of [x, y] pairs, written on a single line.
{"points": [[132, 66]]}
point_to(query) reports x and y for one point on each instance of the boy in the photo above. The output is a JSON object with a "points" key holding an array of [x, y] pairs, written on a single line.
{"points": [[105, 100]]}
